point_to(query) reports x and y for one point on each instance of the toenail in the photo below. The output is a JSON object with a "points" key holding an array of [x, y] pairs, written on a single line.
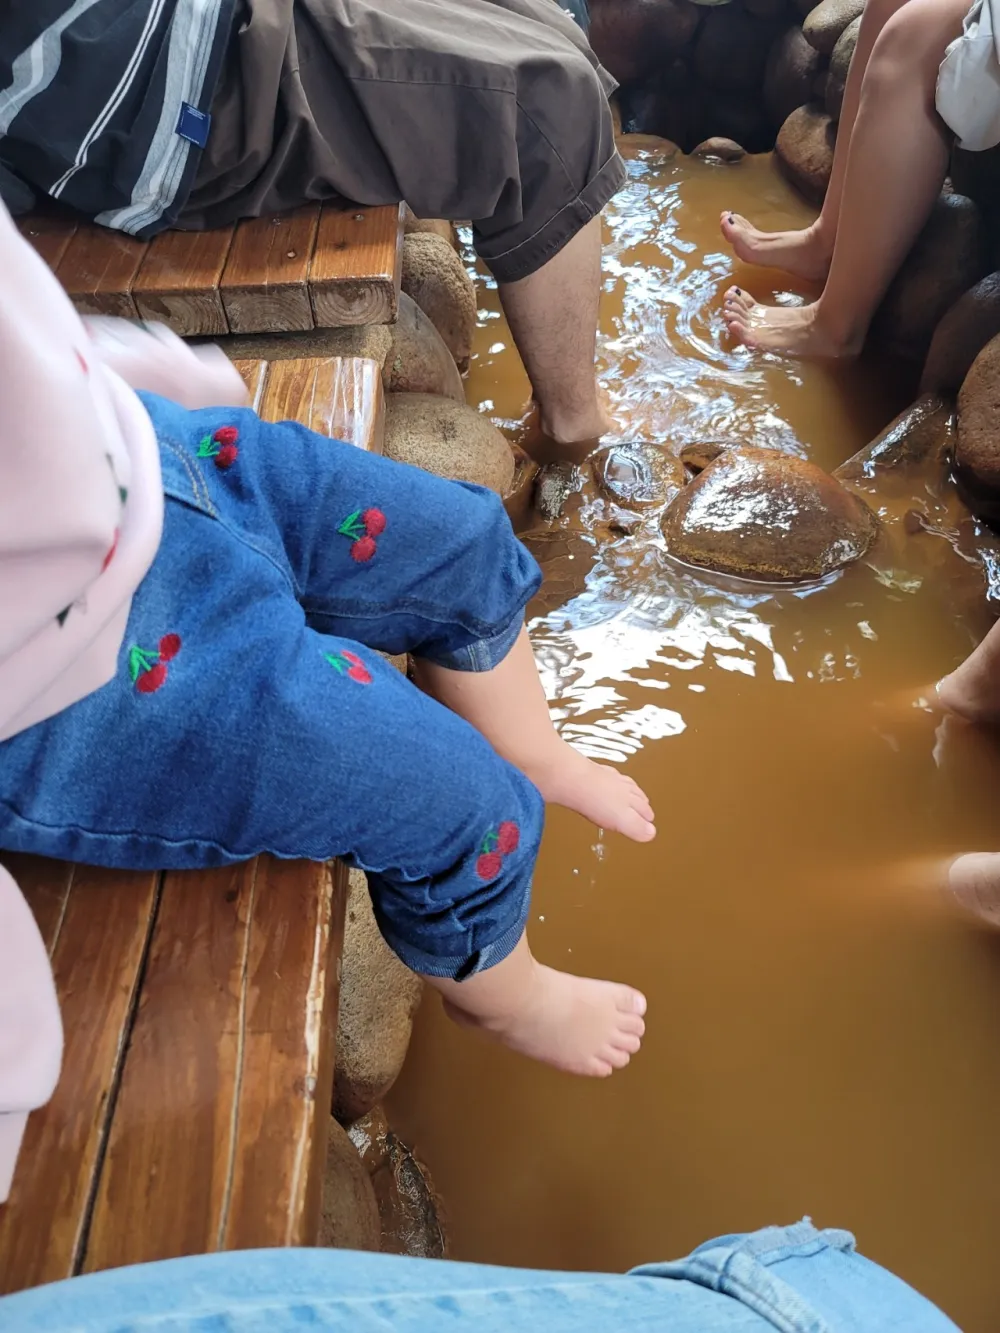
{"points": [[737, 291], [731, 220]]}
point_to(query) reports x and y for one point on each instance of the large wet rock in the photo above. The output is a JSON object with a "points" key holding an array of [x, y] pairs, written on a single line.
{"points": [[731, 50], [447, 438], [378, 998], [919, 433], [825, 24], [949, 257], [418, 360], [977, 451], [804, 150], [792, 66], [635, 38], [718, 149], [961, 335], [408, 1205], [759, 514], [350, 1214], [433, 226], [435, 277], [638, 476], [840, 64]]}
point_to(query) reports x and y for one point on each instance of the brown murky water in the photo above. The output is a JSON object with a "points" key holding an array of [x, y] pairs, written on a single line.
{"points": [[823, 1035]]}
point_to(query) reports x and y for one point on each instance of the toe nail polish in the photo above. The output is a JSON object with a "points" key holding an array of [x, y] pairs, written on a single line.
{"points": [[731, 220], [737, 291]]}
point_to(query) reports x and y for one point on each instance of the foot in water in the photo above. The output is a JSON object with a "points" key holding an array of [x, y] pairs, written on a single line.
{"points": [[575, 1024], [599, 792], [805, 253], [974, 881], [785, 331]]}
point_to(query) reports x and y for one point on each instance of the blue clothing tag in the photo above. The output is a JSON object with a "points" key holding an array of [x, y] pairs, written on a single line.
{"points": [[194, 125]]}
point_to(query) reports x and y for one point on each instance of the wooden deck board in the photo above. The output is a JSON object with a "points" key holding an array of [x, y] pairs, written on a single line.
{"points": [[178, 282], [341, 397], [356, 268], [265, 287], [98, 268]]}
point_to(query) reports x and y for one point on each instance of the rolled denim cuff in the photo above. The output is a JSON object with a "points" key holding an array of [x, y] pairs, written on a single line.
{"points": [[463, 966], [483, 654]]}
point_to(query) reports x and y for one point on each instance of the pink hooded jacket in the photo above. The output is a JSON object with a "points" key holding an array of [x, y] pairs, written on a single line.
{"points": [[81, 510]]}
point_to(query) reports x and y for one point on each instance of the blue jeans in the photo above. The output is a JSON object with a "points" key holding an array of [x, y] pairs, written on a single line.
{"points": [[792, 1279], [251, 711]]}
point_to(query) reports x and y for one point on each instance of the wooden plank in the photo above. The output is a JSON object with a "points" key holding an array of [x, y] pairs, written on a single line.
{"points": [[254, 377], [291, 998], [97, 270], [220, 1120], [178, 282], [49, 235], [356, 266], [341, 397], [46, 886], [96, 961], [265, 284]]}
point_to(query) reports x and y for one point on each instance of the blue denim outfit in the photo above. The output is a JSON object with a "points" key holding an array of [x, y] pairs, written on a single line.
{"points": [[790, 1279], [251, 712]]}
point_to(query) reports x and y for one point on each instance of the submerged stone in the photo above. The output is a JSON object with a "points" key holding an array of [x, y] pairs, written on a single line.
{"points": [[639, 476], [760, 514], [922, 430]]}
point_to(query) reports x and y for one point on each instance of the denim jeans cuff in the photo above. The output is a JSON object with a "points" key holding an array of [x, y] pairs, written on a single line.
{"points": [[462, 966], [483, 654]]}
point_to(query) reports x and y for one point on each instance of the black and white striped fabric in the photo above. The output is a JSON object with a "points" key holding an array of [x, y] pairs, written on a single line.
{"points": [[104, 104]]}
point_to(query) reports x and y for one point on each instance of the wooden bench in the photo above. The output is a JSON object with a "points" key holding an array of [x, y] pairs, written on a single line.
{"points": [[200, 1016], [318, 267]]}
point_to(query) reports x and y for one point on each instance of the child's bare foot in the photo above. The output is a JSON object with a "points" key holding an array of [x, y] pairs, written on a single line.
{"points": [[599, 792], [805, 253], [575, 1024], [974, 880], [786, 331]]}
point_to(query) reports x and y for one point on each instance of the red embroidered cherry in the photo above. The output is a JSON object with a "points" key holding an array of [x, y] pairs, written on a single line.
{"points": [[169, 647], [226, 435], [357, 670], [508, 837], [489, 865], [374, 521], [363, 549], [226, 456], [150, 681]]}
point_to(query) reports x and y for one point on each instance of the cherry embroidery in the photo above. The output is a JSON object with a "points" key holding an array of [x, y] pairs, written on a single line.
{"points": [[497, 844], [221, 447], [148, 670], [349, 664], [362, 527]]}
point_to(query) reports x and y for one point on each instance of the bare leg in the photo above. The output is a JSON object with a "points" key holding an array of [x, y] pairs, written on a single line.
{"points": [[972, 691], [898, 157], [807, 252], [509, 707], [553, 318], [576, 1024]]}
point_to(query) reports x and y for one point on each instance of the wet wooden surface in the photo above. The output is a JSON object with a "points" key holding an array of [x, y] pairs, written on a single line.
{"points": [[337, 396], [317, 267]]}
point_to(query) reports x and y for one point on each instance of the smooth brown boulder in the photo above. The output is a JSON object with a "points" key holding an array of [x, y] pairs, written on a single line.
{"points": [[378, 998], [635, 38], [435, 277], [922, 430], [961, 335], [840, 64], [408, 1206], [697, 455], [350, 1215], [418, 360], [759, 514], [447, 438], [804, 150], [731, 50], [792, 66], [825, 24], [434, 226], [638, 476], [718, 149], [949, 256], [977, 451]]}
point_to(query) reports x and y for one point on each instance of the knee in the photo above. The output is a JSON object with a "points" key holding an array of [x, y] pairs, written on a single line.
{"points": [[562, 97], [909, 48]]}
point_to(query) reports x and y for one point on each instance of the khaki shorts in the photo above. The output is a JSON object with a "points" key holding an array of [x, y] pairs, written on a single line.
{"points": [[490, 110]]}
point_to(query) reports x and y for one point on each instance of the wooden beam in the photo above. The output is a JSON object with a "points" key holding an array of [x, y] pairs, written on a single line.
{"points": [[340, 397], [356, 266], [178, 282], [98, 268], [265, 286]]}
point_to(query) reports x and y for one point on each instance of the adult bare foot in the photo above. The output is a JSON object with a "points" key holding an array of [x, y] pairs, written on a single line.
{"points": [[785, 331], [575, 1024], [974, 880], [969, 695], [599, 792], [804, 253]]}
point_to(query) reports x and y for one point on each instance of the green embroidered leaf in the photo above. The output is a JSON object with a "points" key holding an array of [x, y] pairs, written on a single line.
{"points": [[140, 661], [352, 526], [490, 842], [207, 448], [336, 661]]}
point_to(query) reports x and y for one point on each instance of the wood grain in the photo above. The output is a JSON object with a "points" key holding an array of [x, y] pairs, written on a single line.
{"points": [[96, 960], [45, 886], [265, 284], [341, 397], [98, 268], [178, 282], [254, 377], [356, 266], [49, 235]]}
